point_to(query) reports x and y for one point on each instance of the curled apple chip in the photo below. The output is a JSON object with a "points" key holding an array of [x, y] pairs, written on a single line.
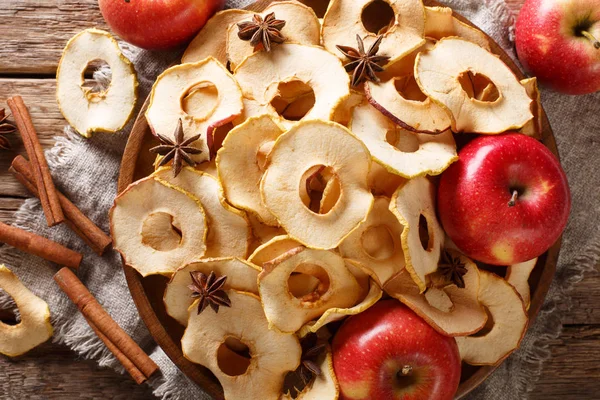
{"points": [[287, 311], [262, 233], [245, 150], [534, 127], [236, 345], [440, 23], [342, 114], [272, 249], [382, 182], [229, 234], [376, 243], [157, 227], [86, 110], [292, 160], [324, 386], [518, 276], [438, 73], [203, 95], [399, 151], [241, 275], [509, 323], [301, 26], [344, 20], [290, 72], [34, 328], [451, 310], [414, 206]]}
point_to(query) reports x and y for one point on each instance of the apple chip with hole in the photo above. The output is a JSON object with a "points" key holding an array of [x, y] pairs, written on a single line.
{"points": [[440, 23], [375, 244], [229, 234], [34, 328], [88, 110], [440, 70], [506, 326], [292, 162], [286, 311], [518, 276], [238, 347], [157, 227], [422, 237], [534, 127], [451, 310], [245, 150], [401, 22], [293, 82], [301, 26], [203, 95], [399, 151], [241, 275]]}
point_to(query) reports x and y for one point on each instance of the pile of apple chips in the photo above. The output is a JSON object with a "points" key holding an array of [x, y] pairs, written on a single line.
{"points": [[314, 198]]}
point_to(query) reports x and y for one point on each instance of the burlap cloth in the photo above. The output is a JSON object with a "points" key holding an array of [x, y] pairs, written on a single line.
{"points": [[86, 171]]}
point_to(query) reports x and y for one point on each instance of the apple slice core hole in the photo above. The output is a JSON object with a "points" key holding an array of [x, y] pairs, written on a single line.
{"points": [[377, 17], [161, 231], [233, 357], [478, 86], [489, 324], [321, 189], [308, 282], [402, 140], [425, 234], [408, 88], [9, 312], [96, 76], [200, 100], [294, 100], [378, 243]]}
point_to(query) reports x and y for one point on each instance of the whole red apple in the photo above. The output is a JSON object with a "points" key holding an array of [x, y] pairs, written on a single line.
{"points": [[389, 352], [158, 24], [558, 41], [506, 200]]}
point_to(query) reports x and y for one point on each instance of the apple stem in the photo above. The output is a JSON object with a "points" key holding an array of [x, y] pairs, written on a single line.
{"points": [[406, 370], [513, 199], [591, 38]]}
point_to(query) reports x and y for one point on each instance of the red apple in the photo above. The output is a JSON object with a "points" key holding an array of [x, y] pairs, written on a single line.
{"points": [[506, 200], [389, 352], [557, 41], [158, 24]]}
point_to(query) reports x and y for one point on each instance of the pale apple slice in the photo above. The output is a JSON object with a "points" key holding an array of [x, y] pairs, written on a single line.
{"points": [[440, 23], [85, 110], [211, 41], [415, 112], [217, 341], [229, 233], [452, 311], [337, 288], [241, 275], [324, 386], [246, 149], [34, 328], [203, 95], [301, 26], [262, 233], [157, 227], [518, 276], [342, 114], [376, 242], [509, 319], [343, 22], [438, 74], [295, 153], [406, 65], [414, 205], [533, 128], [272, 249], [399, 151], [382, 182]]}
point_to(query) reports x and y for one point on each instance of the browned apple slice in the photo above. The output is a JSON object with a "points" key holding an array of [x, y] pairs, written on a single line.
{"points": [[533, 128], [518, 276], [440, 23]]}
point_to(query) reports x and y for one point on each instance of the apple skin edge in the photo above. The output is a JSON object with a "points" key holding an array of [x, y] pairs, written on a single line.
{"points": [[549, 47], [371, 348], [474, 195]]}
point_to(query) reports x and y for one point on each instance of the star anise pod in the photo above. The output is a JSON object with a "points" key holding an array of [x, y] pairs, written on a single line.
{"points": [[297, 380], [364, 63], [261, 31], [5, 128], [452, 268], [179, 151], [209, 289]]}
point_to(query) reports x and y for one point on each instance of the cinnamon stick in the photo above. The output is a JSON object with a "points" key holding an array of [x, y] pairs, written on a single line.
{"points": [[39, 246], [41, 171], [93, 311], [75, 219]]}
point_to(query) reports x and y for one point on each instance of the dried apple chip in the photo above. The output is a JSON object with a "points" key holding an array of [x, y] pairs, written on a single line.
{"points": [[262, 233], [236, 345], [34, 327], [88, 111], [229, 234], [241, 275], [337, 287], [203, 95], [272, 249], [324, 386], [382, 182], [295, 153], [438, 73], [414, 206], [440, 23], [342, 114], [399, 151], [509, 323], [533, 128], [157, 227], [518, 276]]}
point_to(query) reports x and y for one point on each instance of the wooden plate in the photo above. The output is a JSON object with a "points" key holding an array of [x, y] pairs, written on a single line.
{"points": [[148, 292]]}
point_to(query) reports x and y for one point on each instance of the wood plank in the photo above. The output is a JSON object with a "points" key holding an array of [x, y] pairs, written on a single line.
{"points": [[586, 301], [8, 207], [34, 32]]}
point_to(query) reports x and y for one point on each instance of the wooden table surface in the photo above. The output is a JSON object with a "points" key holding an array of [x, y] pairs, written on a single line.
{"points": [[33, 33]]}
